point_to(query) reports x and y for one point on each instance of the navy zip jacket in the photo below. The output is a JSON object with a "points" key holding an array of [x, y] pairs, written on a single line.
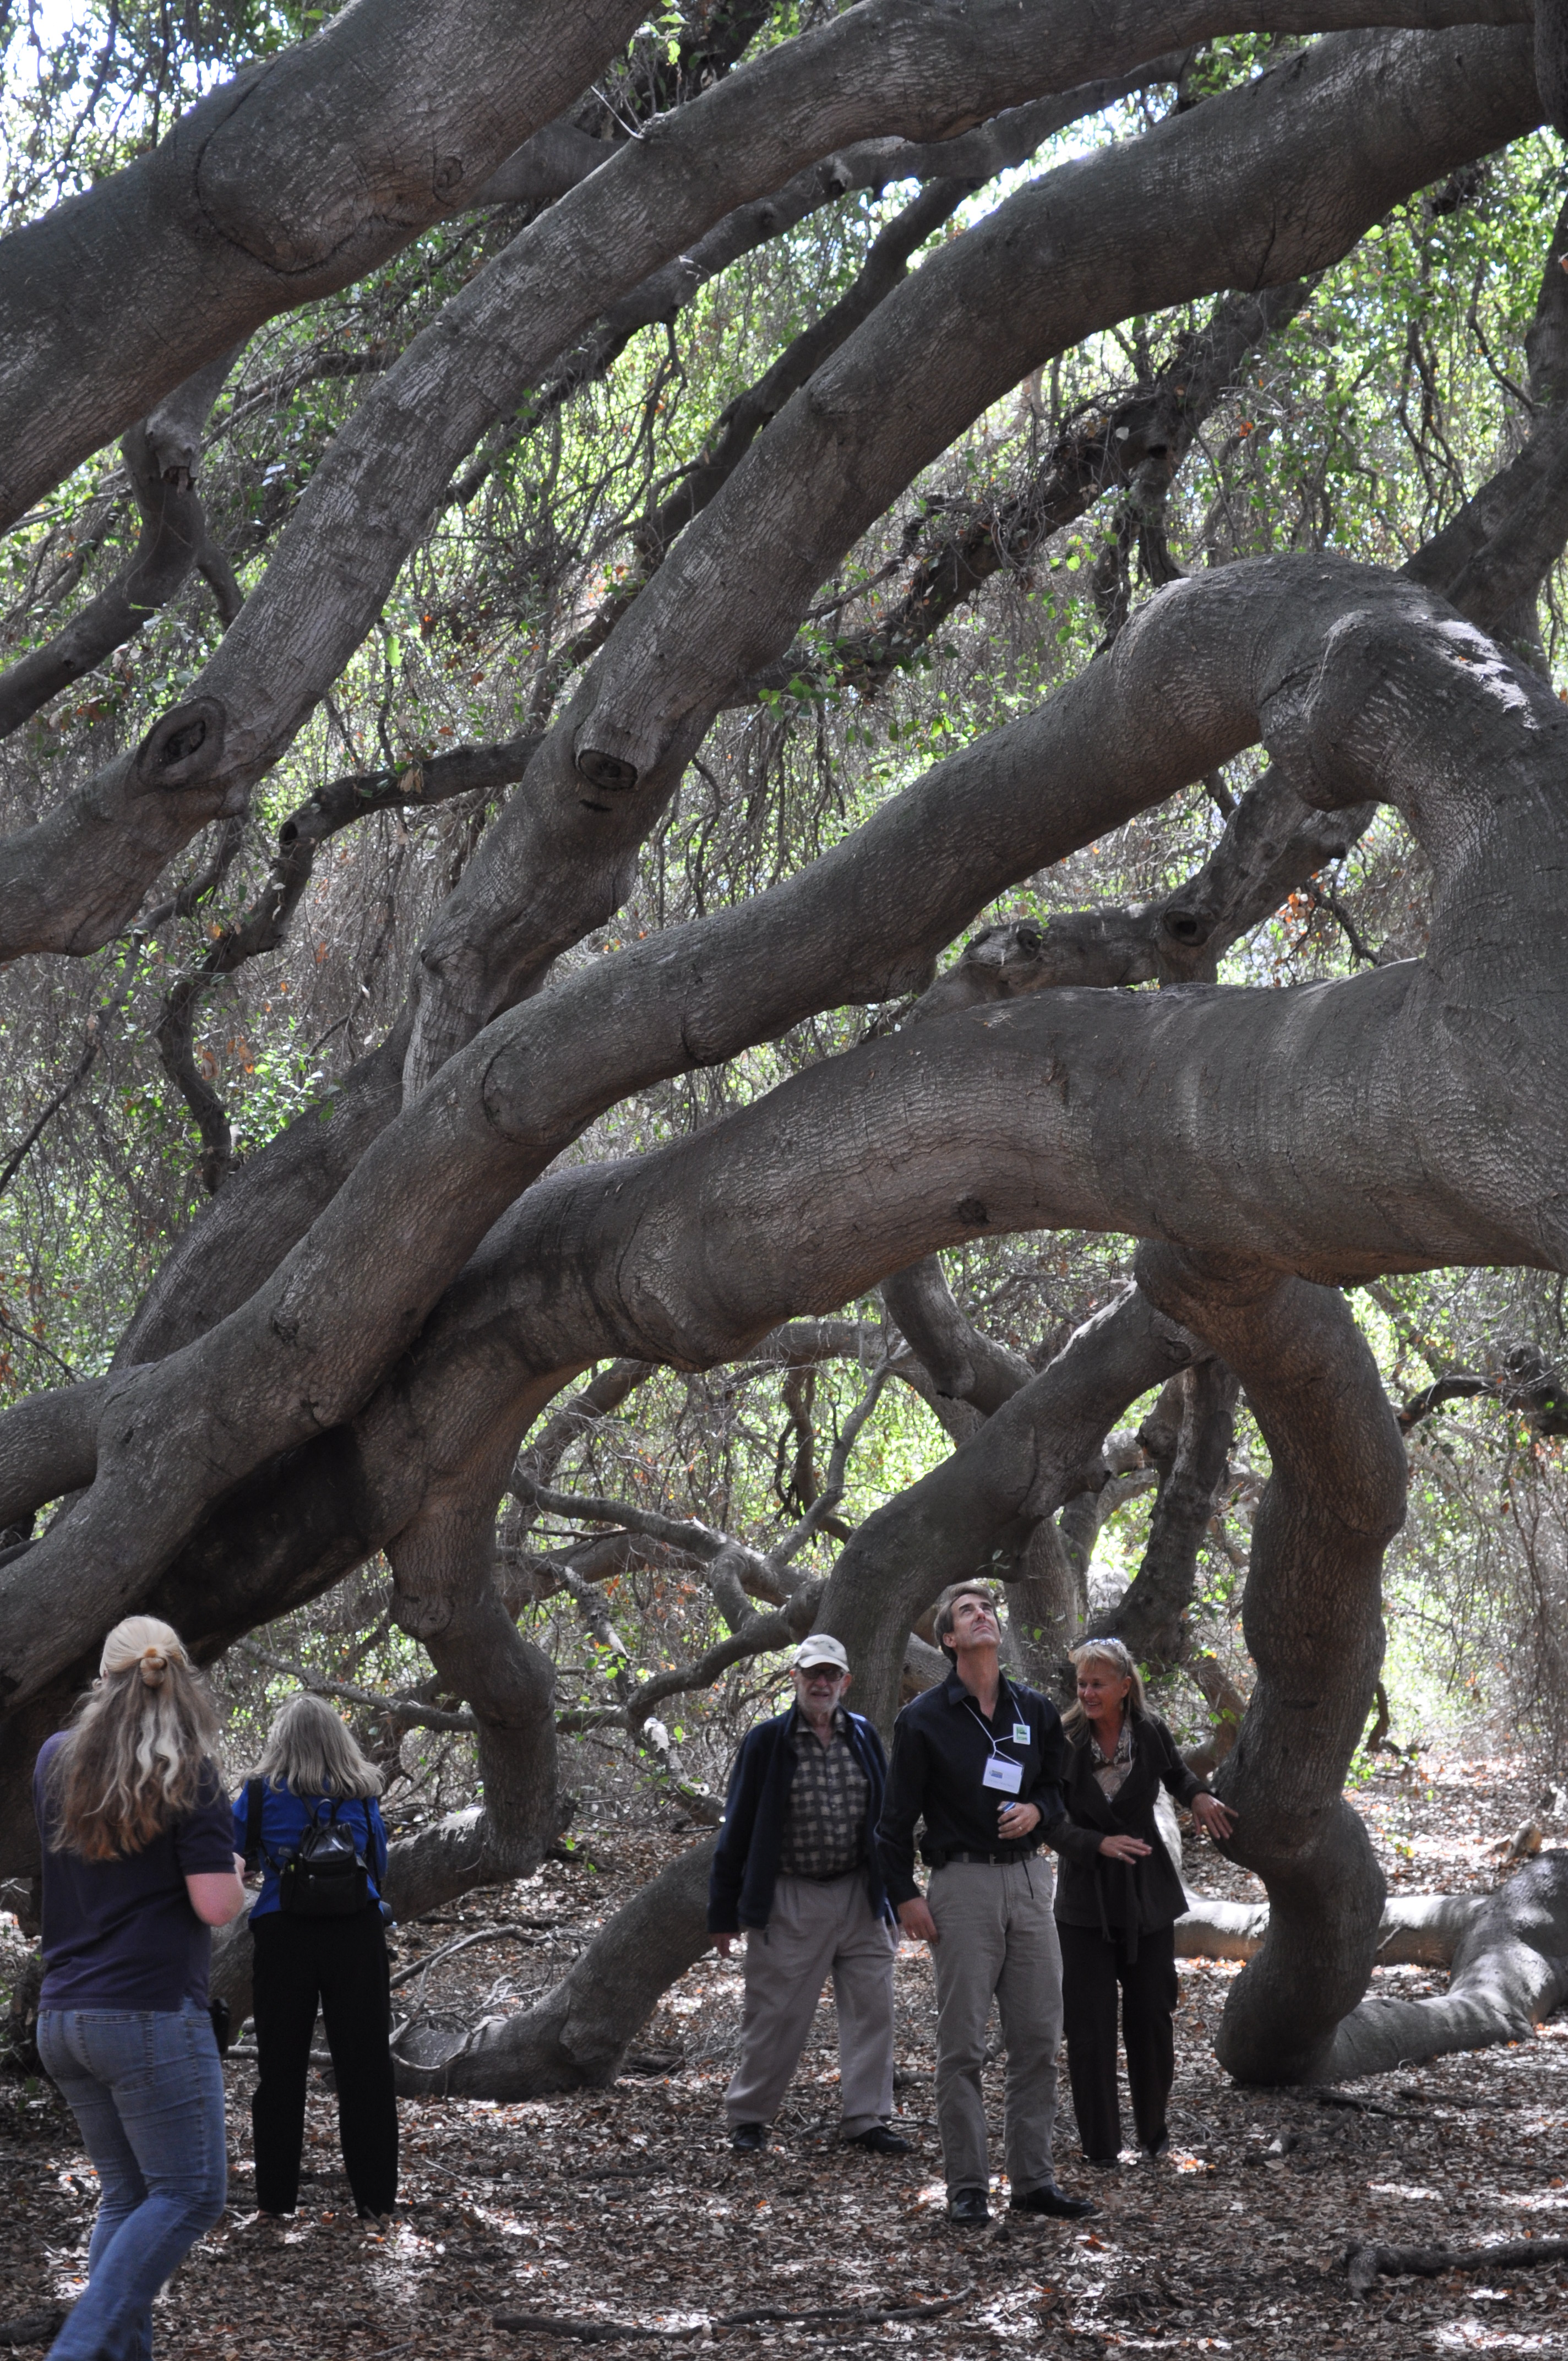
{"points": [[746, 1862]]}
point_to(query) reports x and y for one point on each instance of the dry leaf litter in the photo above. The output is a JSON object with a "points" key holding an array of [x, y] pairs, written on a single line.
{"points": [[623, 2212]]}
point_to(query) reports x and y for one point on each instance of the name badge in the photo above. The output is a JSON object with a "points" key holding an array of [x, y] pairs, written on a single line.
{"points": [[1020, 1733], [1000, 1772]]}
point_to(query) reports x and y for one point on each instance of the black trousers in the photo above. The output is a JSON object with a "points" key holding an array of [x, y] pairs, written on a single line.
{"points": [[1091, 1969], [341, 1963]]}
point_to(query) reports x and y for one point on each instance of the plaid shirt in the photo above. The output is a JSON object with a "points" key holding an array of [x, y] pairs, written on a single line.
{"points": [[825, 1827]]}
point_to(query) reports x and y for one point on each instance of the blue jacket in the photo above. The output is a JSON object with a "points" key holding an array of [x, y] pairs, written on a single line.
{"points": [[746, 1862], [285, 1817]]}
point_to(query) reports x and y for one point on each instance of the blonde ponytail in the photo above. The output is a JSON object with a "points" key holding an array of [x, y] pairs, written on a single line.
{"points": [[143, 1748]]}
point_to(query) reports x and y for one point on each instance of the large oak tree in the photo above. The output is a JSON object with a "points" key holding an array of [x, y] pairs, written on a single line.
{"points": [[341, 1353]]}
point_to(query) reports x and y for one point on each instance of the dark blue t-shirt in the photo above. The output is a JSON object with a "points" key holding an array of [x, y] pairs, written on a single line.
{"points": [[285, 1817], [122, 1934]]}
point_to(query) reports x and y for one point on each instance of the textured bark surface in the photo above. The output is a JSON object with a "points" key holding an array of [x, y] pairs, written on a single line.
{"points": [[1508, 1971], [1314, 1622], [1316, 1156], [300, 174], [1072, 254]]}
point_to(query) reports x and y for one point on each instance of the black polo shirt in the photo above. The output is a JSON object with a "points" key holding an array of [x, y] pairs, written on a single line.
{"points": [[941, 1745]]}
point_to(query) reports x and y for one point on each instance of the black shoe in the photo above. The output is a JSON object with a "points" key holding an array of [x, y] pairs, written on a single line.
{"points": [[1049, 2199], [968, 2207], [749, 2139], [1104, 2163], [881, 2140]]}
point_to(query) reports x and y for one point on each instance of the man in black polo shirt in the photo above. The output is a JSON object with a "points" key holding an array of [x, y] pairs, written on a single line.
{"points": [[980, 1758]]}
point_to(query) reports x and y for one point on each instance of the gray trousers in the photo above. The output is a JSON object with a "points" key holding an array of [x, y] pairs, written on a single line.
{"points": [[996, 1937], [815, 1929]]}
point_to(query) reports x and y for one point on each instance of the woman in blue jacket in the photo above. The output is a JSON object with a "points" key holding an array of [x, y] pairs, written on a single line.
{"points": [[312, 1775]]}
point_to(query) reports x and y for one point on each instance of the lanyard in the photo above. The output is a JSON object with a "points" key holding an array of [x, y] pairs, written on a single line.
{"points": [[1001, 1691]]}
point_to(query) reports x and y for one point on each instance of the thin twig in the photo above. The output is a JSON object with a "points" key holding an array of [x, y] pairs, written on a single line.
{"points": [[450, 1952], [409, 1710], [832, 1491]]}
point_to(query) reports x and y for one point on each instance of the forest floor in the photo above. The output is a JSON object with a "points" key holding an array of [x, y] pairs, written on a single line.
{"points": [[625, 2206]]}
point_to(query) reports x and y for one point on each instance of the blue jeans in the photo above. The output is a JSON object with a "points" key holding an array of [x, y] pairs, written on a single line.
{"points": [[146, 2088]]}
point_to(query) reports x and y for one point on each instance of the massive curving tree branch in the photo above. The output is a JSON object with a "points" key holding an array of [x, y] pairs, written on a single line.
{"points": [[1312, 1614], [304, 171], [537, 885], [1316, 1154], [1033, 278]]}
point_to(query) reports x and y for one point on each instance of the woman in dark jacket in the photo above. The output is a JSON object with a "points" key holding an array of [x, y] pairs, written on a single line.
{"points": [[1118, 1898]]}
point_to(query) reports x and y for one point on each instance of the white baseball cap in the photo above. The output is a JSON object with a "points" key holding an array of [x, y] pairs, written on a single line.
{"points": [[820, 1648]]}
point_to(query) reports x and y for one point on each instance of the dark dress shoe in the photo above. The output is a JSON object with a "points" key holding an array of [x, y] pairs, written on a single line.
{"points": [[880, 2140], [968, 2206], [1051, 2200], [749, 2139]]}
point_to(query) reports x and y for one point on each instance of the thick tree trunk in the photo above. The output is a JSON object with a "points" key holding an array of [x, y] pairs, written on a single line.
{"points": [[580, 2032], [1507, 1953], [295, 178], [1509, 1972], [1312, 1615]]}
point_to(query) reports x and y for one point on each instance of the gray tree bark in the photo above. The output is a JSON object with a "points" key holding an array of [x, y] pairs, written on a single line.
{"points": [[304, 171]]}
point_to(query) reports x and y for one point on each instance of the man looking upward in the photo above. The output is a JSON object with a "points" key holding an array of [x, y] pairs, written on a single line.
{"points": [[980, 1758], [797, 1866]]}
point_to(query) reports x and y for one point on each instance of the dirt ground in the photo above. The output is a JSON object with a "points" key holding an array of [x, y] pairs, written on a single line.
{"points": [[626, 2207]]}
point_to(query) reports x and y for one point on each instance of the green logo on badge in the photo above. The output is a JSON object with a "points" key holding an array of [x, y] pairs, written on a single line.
{"points": [[1020, 1733]]}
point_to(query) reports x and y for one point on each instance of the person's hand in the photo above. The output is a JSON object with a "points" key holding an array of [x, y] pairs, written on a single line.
{"points": [[1215, 1818], [1123, 1847], [916, 1921], [724, 1944], [239, 1867], [1015, 1820]]}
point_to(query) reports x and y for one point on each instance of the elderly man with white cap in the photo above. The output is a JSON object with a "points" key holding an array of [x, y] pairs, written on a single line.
{"points": [[796, 1867]]}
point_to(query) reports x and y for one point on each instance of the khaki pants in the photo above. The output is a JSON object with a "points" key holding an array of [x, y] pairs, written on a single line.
{"points": [[996, 1938], [814, 1930]]}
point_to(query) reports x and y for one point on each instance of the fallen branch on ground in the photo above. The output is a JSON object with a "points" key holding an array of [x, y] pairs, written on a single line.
{"points": [[610, 2331], [35, 2328], [1365, 2264]]}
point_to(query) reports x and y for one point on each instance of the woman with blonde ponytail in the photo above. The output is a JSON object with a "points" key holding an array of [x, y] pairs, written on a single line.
{"points": [[137, 1867]]}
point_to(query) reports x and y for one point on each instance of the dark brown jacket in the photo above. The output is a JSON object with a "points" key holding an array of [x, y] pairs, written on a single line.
{"points": [[1116, 1895]]}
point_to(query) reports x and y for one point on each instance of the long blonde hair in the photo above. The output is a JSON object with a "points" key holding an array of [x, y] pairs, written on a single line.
{"points": [[1075, 1721], [309, 1751], [143, 1748]]}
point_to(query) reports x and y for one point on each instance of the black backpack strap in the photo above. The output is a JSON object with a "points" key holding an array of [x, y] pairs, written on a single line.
{"points": [[254, 1795]]}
